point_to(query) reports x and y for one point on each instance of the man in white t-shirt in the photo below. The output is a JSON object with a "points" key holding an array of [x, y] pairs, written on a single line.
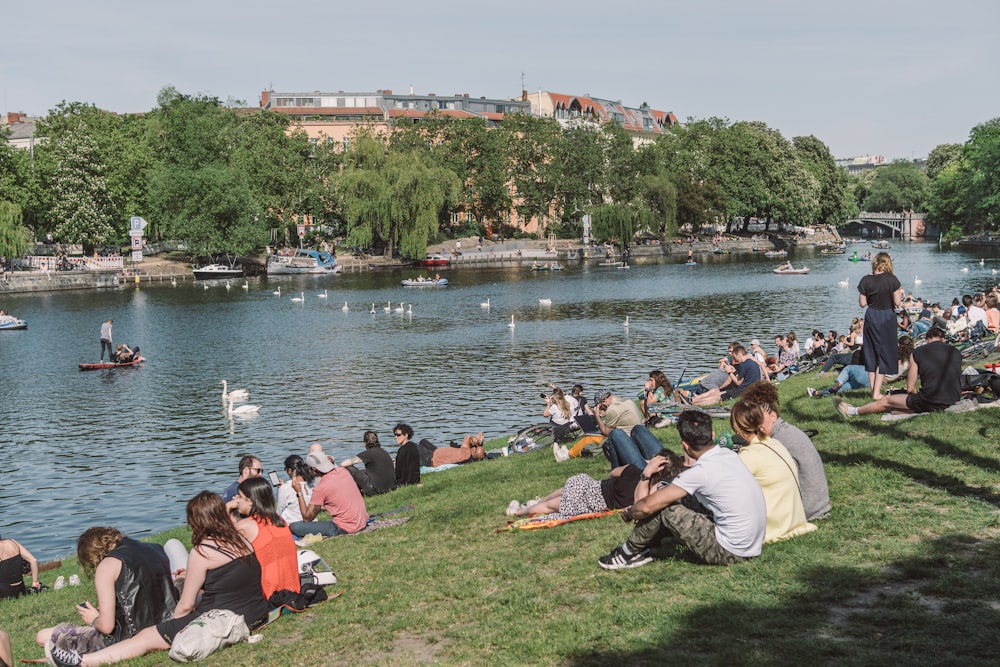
{"points": [[720, 481]]}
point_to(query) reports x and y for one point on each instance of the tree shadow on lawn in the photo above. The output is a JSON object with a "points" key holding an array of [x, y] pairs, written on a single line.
{"points": [[941, 606]]}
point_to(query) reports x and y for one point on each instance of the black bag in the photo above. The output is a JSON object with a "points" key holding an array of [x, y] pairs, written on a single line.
{"points": [[981, 381], [426, 449]]}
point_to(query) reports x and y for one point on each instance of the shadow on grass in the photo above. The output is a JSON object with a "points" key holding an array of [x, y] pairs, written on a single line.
{"points": [[939, 607]]}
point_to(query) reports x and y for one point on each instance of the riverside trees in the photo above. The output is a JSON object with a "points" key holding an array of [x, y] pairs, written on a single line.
{"points": [[225, 178]]}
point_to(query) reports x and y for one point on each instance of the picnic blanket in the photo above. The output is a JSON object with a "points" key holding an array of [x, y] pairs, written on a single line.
{"points": [[550, 521], [964, 405]]}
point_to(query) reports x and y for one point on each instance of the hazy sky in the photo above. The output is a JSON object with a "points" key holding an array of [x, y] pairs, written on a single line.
{"points": [[866, 77]]}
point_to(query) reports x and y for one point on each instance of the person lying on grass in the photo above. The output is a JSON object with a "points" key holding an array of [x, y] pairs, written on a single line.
{"points": [[582, 494], [720, 482]]}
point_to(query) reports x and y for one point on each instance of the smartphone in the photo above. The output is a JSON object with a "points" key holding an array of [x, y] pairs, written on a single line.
{"points": [[273, 476], [83, 604], [543, 395]]}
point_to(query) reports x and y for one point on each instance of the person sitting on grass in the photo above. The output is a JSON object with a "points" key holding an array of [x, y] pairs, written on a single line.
{"points": [[627, 440], [732, 531], [13, 558], [582, 494], [812, 477], [938, 367], [655, 392], [407, 456], [270, 537], [559, 410], [774, 469], [379, 475], [743, 372], [222, 568], [335, 492], [854, 376], [134, 591]]}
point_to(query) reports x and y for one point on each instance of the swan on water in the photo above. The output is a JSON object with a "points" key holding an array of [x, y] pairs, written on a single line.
{"points": [[277, 292], [300, 298], [398, 309], [485, 304], [228, 286], [917, 280], [964, 269], [173, 281], [235, 394], [409, 309], [625, 323], [246, 285], [545, 302], [387, 308], [982, 261], [511, 325], [372, 311], [843, 283], [243, 409], [322, 296], [205, 285], [345, 308]]}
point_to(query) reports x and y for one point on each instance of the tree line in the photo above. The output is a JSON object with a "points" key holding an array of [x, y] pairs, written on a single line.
{"points": [[225, 178]]}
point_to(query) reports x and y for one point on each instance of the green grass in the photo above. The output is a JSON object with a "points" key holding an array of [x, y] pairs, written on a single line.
{"points": [[905, 571]]}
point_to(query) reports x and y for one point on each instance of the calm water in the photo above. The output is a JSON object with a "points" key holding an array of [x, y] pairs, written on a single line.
{"points": [[129, 447]]}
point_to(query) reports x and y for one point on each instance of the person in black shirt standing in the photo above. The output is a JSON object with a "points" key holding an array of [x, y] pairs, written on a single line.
{"points": [[880, 294]]}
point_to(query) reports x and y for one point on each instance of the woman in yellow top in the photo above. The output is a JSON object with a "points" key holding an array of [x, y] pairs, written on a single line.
{"points": [[776, 472]]}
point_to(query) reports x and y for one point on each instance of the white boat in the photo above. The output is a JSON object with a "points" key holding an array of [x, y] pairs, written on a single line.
{"points": [[217, 272], [10, 322], [303, 260], [425, 282], [787, 270]]}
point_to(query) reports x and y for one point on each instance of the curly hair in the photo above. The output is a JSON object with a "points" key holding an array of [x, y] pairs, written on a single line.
{"points": [[94, 545]]}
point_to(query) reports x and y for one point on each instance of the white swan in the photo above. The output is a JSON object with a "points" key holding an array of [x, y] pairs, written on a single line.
{"points": [[372, 311], [982, 261], [300, 298], [917, 280], [235, 394], [345, 308], [625, 323], [409, 309], [228, 286], [322, 296], [243, 409], [843, 283], [388, 307], [246, 286], [964, 269], [511, 325], [277, 292], [545, 302], [485, 304], [398, 309], [173, 281], [205, 285]]}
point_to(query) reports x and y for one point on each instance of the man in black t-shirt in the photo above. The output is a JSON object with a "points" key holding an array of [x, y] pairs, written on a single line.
{"points": [[379, 474], [937, 365]]}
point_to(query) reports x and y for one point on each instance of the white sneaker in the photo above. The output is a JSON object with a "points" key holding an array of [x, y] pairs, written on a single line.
{"points": [[663, 422], [74, 580], [513, 507], [60, 583], [811, 392]]}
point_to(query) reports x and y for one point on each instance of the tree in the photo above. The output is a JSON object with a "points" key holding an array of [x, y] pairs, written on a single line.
{"points": [[836, 204], [659, 194], [982, 153], [899, 186], [612, 222], [15, 239], [534, 146], [942, 156]]}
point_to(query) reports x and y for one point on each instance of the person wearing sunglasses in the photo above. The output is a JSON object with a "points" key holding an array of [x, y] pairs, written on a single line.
{"points": [[250, 466], [407, 456]]}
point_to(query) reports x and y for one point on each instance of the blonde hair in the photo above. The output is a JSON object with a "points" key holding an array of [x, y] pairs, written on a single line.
{"points": [[747, 419], [94, 545], [882, 263], [559, 398]]}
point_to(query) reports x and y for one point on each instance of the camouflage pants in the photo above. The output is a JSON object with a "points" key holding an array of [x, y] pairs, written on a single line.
{"points": [[79, 638], [694, 530]]}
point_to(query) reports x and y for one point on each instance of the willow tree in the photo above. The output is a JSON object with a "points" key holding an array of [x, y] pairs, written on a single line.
{"points": [[612, 222], [15, 238], [392, 199]]}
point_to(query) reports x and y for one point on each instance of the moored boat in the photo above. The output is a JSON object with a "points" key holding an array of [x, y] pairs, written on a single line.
{"points": [[434, 259], [776, 253], [547, 266], [217, 272], [112, 364], [302, 261]]}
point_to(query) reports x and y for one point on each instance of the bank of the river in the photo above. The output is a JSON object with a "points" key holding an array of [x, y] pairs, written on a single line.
{"points": [[902, 572]]}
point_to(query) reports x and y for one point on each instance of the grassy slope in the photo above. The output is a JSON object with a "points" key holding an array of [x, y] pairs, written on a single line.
{"points": [[904, 571]]}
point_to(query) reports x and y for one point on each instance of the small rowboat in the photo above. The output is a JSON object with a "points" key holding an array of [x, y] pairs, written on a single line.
{"points": [[110, 364], [12, 323], [789, 271], [415, 282]]}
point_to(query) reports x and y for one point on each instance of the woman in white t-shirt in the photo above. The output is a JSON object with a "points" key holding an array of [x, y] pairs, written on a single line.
{"points": [[288, 502], [560, 408]]}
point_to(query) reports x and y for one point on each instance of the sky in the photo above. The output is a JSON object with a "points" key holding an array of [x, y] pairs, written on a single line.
{"points": [[874, 77]]}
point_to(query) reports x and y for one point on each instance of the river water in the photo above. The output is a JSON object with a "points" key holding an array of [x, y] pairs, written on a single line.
{"points": [[129, 447]]}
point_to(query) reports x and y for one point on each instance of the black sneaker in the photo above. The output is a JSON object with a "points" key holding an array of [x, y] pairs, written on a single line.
{"points": [[619, 560], [61, 657]]}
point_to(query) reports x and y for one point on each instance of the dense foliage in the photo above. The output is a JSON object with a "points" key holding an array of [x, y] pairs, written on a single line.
{"points": [[235, 179]]}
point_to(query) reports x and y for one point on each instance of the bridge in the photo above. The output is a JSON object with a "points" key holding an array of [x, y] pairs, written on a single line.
{"points": [[903, 224]]}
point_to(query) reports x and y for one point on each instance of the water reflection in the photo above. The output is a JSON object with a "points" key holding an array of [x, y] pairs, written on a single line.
{"points": [[129, 447]]}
